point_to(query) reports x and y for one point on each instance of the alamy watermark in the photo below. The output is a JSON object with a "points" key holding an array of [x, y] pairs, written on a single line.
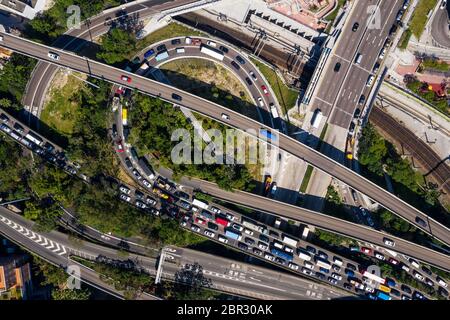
{"points": [[74, 19], [374, 13], [236, 147], [73, 281]]}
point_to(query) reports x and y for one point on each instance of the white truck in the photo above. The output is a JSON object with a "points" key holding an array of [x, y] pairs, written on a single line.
{"points": [[290, 241], [316, 118], [304, 255]]}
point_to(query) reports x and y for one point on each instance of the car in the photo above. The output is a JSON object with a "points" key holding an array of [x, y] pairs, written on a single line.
{"points": [[264, 89], [235, 65], [140, 204], [240, 60], [421, 222], [188, 40], [137, 174], [223, 239], [355, 26], [128, 163], [336, 276], [253, 75], [389, 242], [149, 53], [337, 67], [71, 170], [216, 210], [370, 80], [379, 256], [366, 250], [311, 249], [249, 82], [237, 227], [200, 220], [417, 275], [124, 189], [351, 266], [248, 231], [4, 117], [182, 195], [257, 251], [418, 295], [213, 226], [308, 265], [399, 15], [370, 221], [1, 38], [441, 282], [429, 282], [357, 113], [354, 248], [274, 234], [332, 280], [195, 228], [336, 268], [288, 249], [324, 270], [19, 128], [119, 146], [442, 292], [125, 78], [322, 255], [443, 4], [154, 211], [414, 263], [321, 276], [347, 286], [393, 261], [351, 129], [175, 41], [223, 49], [176, 97], [209, 233], [395, 292], [260, 101], [225, 116], [53, 56], [161, 47], [369, 289], [382, 54], [427, 271], [393, 30], [376, 68], [146, 183], [349, 273], [406, 297], [405, 288], [307, 271], [249, 241], [125, 197], [362, 99], [269, 257], [185, 205], [262, 245], [49, 147], [150, 201]]}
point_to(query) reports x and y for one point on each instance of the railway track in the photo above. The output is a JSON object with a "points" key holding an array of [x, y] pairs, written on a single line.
{"points": [[434, 166]]}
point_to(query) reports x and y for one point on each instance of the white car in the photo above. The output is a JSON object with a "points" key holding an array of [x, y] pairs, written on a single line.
{"points": [[169, 257], [269, 257], [215, 210], [389, 242], [195, 228], [230, 216], [225, 116], [379, 256], [223, 239], [209, 233], [261, 103], [252, 74], [370, 289], [262, 246], [141, 205], [249, 232], [441, 282], [336, 276], [53, 56], [211, 43], [382, 54], [370, 80], [307, 271], [418, 276], [188, 40], [146, 183], [124, 190], [1, 38], [125, 198], [308, 265], [337, 261], [288, 249], [293, 266]]}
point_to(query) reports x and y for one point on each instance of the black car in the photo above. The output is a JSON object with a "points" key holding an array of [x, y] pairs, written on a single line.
{"points": [[139, 195], [351, 129], [264, 238], [393, 30], [280, 261], [321, 276], [274, 234], [240, 60], [406, 289], [242, 246], [355, 26], [213, 226], [323, 255], [362, 99], [427, 271], [257, 251], [248, 81], [182, 195], [357, 113], [347, 286], [176, 97], [443, 292], [311, 249], [128, 163], [19, 128], [418, 296], [175, 41], [161, 48], [185, 205], [395, 292], [49, 147], [421, 222], [337, 67], [223, 49], [351, 266], [249, 241], [4, 117], [235, 65]]}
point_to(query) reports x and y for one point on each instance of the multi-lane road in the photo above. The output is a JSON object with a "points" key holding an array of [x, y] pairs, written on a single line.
{"points": [[215, 111], [440, 28]]}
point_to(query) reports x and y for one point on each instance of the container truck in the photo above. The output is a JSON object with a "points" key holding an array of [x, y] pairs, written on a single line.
{"points": [[290, 241], [233, 234], [199, 204], [212, 52], [249, 224], [282, 254], [304, 255]]}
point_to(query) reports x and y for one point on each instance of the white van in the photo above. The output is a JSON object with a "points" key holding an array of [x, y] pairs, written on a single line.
{"points": [[277, 244], [358, 58], [188, 40], [309, 265], [181, 50], [337, 261], [211, 43]]}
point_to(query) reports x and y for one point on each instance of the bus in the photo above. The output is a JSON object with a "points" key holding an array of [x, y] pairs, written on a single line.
{"points": [[323, 263], [282, 254], [124, 116], [384, 288], [212, 52], [34, 138], [249, 224]]}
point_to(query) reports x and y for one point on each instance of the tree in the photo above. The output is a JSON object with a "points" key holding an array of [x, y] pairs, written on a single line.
{"points": [[116, 46], [190, 283], [70, 294]]}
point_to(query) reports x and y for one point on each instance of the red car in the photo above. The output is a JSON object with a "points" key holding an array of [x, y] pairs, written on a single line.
{"points": [[125, 78], [393, 261], [200, 220], [119, 90], [119, 146], [366, 250], [264, 88]]}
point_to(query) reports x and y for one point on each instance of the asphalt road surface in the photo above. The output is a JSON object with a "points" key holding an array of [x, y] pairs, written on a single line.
{"points": [[318, 160], [440, 29]]}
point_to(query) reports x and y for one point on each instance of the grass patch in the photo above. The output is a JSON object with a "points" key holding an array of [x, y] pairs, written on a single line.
{"points": [[306, 179], [286, 96], [404, 39], [435, 64], [170, 31], [61, 110], [420, 17]]}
